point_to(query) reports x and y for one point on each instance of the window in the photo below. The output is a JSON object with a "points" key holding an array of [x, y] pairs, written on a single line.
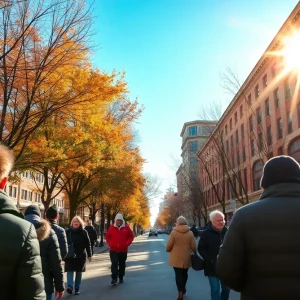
{"points": [[241, 111], [38, 197], [242, 131], [294, 149], [260, 141], [257, 173], [251, 123], [14, 192], [274, 70], [238, 158], [249, 100], [267, 107], [276, 98], [258, 115], [287, 90], [279, 129], [256, 91], [244, 154], [235, 118], [289, 122], [231, 142], [245, 180], [269, 136], [192, 130], [194, 162], [252, 148], [193, 146], [280, 151], [265, 81], [226, 130], [230, 124], [24, 194], [237, 136], [227, 146], [298, 114], [10, 191]]}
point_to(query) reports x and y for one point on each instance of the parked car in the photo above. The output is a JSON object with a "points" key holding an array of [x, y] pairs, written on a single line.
{"points": [[153, 232]]}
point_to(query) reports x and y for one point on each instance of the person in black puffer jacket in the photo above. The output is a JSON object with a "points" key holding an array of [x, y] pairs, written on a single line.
{"points": [[21, 274], [50, 253], [52, 216], [260, 256], [77, 236]]}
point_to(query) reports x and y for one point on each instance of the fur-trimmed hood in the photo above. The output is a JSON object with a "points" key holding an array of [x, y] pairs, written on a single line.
{"points": [[44, 230]]}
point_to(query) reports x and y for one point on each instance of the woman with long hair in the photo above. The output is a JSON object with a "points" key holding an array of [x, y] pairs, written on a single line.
{"points": [[78, 239], [180, 245]]}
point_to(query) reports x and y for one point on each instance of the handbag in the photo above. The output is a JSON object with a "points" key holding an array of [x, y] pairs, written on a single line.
{"points": [[197, 262], [71, 250]]}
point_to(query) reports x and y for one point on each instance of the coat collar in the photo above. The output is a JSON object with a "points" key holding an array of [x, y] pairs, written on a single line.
{"points": [[282, 190]]}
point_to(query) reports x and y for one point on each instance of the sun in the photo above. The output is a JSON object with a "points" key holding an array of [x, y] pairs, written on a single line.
{"points": [[291, 52]]}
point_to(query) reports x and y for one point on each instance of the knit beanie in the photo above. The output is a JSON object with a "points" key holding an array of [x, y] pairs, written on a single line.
{"points": [[280, 169], [33, 210], [52, 212]]}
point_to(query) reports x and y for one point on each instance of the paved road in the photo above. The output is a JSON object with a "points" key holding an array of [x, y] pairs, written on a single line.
{"points": [[148, 276]]}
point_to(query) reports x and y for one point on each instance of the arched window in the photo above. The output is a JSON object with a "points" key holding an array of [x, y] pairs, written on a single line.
{"points": [[257, 173], [294, 149]]}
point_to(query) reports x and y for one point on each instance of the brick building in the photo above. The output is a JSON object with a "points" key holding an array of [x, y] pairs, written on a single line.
{"points": [[262, 120]]}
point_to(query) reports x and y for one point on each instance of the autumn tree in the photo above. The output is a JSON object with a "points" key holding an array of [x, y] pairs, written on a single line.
{"points": [[40, 42]]}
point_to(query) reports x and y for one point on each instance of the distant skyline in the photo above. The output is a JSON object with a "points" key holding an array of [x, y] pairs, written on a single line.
{"points": [[173, 52]]}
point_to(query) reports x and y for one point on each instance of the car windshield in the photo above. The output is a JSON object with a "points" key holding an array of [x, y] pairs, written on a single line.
{"points": [[152, 230]]}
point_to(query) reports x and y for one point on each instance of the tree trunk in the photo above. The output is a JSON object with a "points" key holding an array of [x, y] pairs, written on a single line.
{"points": [[73, 208]]}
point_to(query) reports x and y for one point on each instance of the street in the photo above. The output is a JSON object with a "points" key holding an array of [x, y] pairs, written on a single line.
{"points": [[148, 276]]}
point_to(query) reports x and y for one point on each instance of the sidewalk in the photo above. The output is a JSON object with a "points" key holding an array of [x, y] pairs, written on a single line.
{"points": [[104, 248]]}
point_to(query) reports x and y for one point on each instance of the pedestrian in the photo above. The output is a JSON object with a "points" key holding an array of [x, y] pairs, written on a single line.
{"points": [[209, 245], [78, 237], [119, 237], [92, 234], [194, 230], [52, 217], [260, 255], [180, 245], [50, 253], [21, 274]]}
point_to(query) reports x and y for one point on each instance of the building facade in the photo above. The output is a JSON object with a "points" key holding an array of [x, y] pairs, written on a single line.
{"points": [[28, 191], [262, 121], [194, 135]]}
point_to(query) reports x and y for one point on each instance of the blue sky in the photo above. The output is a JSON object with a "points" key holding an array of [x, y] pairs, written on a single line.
{"points": [[173, 52]]}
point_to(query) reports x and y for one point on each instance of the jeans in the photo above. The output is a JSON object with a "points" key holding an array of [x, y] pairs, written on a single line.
{"points": [[70, 279], [118, 264], [49, 297], [215, 285], [181, 277]]}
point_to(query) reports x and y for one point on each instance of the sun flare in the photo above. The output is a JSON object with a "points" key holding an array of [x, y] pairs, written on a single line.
{"points": [[291, 52]]}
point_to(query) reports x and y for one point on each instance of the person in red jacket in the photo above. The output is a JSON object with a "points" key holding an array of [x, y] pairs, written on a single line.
{"points": [[118, 237]]}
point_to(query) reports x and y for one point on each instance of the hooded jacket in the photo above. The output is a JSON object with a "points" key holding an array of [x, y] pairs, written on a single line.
{"points": [[21, 274], [260, 254], [180, 245], [50, 254], [61, 236], [119, 238]]}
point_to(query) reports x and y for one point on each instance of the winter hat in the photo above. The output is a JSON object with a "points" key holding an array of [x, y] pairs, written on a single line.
{"points": [[119, 217], [33, 210], [52, 212], [280, 169]]}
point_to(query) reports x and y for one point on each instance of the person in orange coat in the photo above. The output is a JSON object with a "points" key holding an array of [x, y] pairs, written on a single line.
{"points": [[118, 237], [181, 244]]}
